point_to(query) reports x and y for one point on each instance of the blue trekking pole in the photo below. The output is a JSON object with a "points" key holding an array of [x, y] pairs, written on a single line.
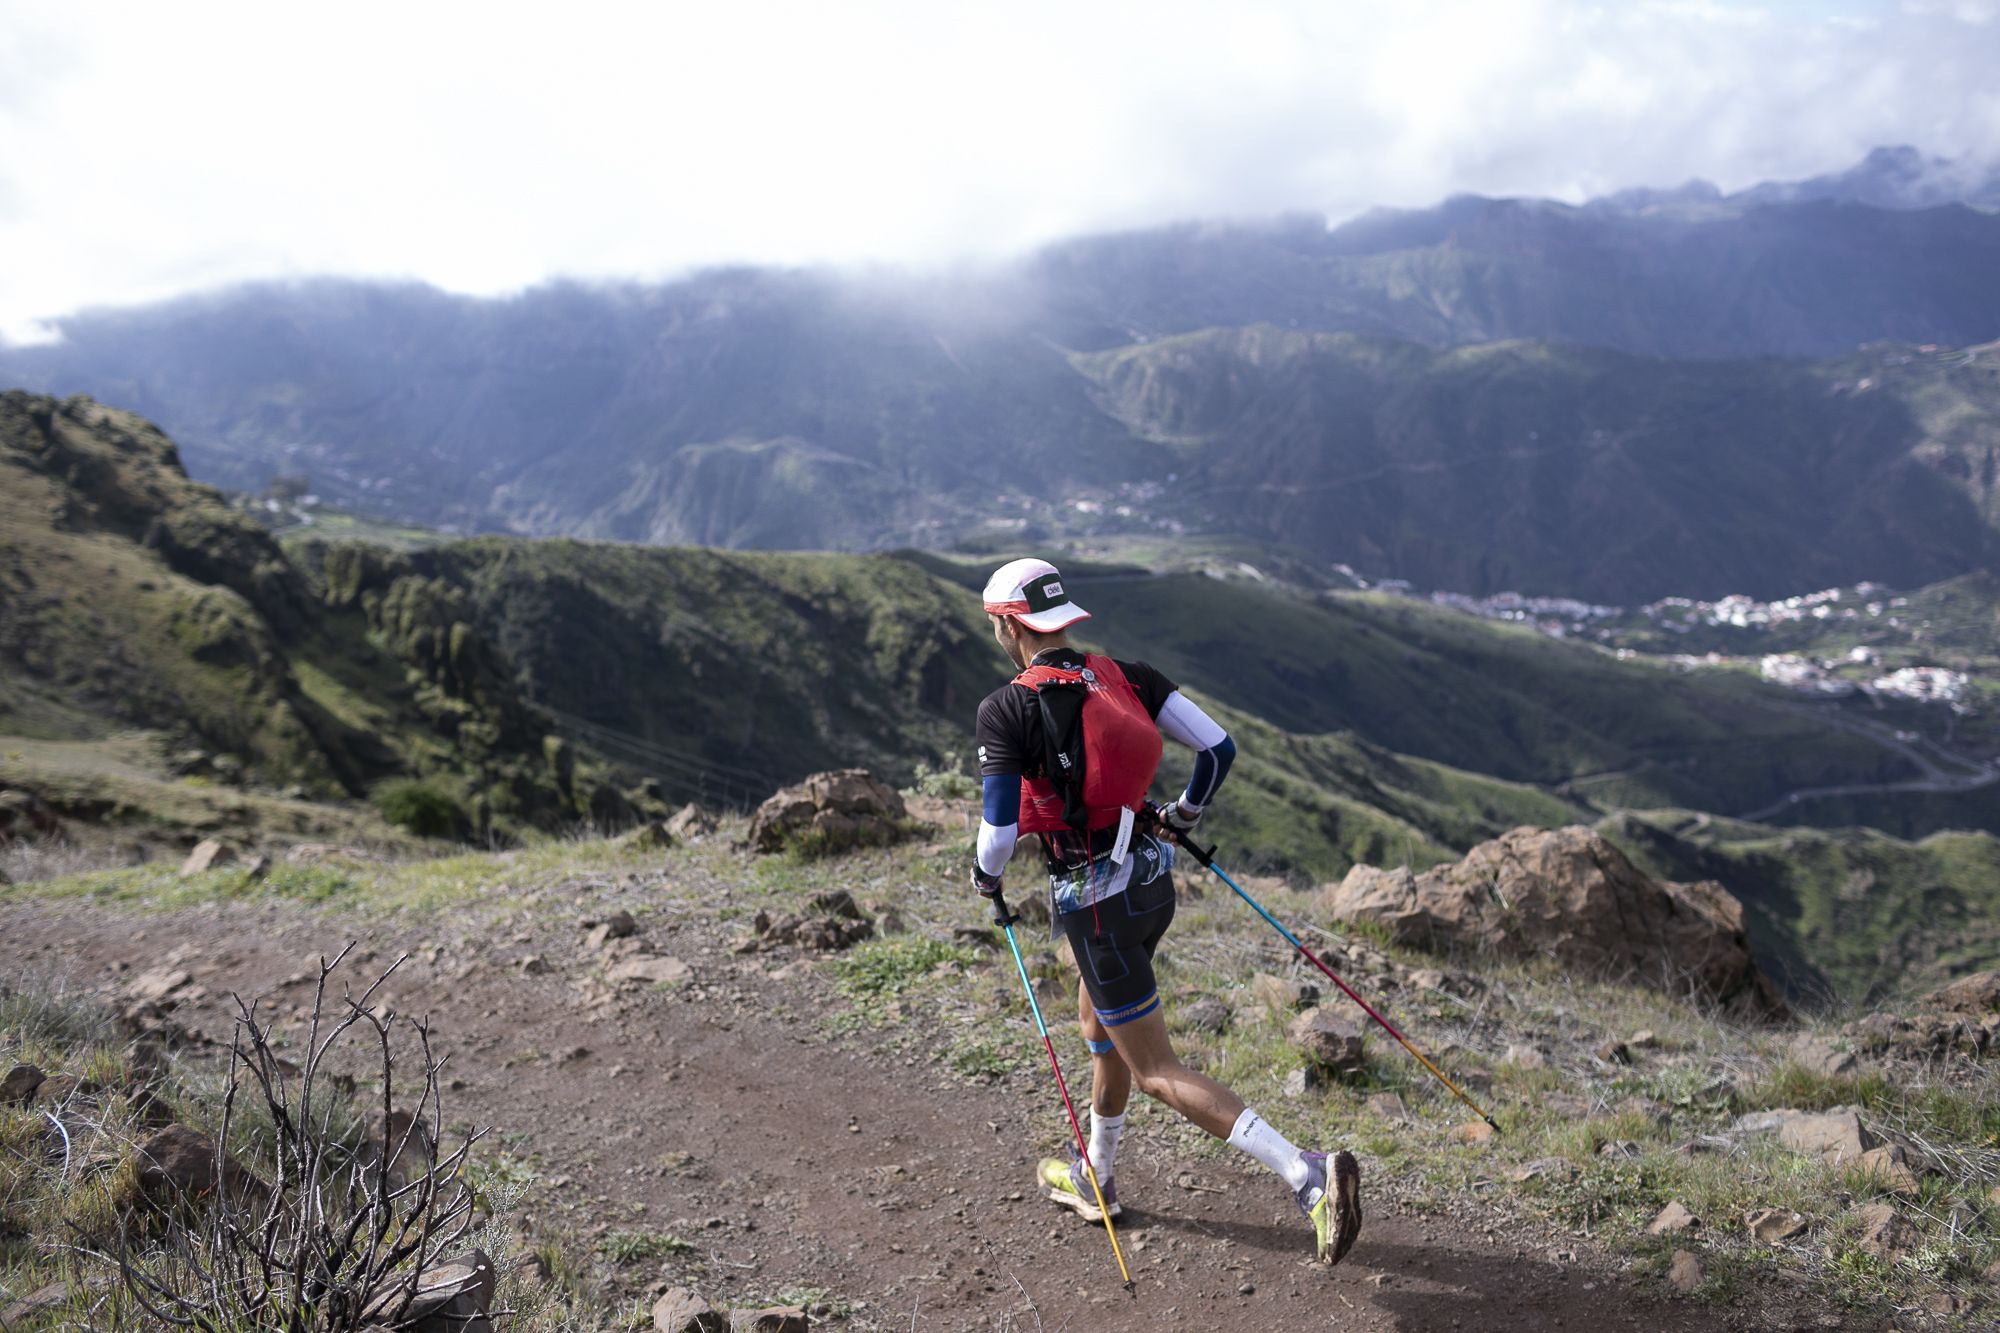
{"points": [[1005, 920], [1205, 856]]}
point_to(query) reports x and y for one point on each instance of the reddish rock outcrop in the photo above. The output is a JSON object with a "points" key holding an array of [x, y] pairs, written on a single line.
{"points": [[830, 812], [1570, 896]]}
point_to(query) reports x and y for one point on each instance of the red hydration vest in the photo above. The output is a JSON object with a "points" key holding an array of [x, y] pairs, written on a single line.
{"points": [[1120, 748]]}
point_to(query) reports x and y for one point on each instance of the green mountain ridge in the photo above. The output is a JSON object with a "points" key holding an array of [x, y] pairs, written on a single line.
{"points": [[539, 684]]}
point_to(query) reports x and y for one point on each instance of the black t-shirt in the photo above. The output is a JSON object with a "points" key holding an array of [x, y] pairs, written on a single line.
{"points": [[1009, 731]]}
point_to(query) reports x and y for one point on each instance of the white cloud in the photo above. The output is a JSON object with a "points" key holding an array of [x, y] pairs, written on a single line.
{"points": [[150, 149]]}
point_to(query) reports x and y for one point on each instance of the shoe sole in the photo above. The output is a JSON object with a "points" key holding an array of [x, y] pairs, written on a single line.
{"points": [[1083, 1208], [1346, 1205]]}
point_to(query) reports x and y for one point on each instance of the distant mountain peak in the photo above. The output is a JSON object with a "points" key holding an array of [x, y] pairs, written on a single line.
{"points": [[1896, 176]]}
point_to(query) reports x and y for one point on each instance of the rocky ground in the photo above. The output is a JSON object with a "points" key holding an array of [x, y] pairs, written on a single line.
{"points": [[814, 1084]]}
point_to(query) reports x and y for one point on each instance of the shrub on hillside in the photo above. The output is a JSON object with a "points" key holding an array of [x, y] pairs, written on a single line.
{"points": [[948, 782], [419, 807]]}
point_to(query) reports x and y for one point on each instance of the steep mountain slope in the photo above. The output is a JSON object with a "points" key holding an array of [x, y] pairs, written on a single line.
{"points": [[542, 683], [1849, 913], [136, 598], [1523, 466], [1590, 474]]}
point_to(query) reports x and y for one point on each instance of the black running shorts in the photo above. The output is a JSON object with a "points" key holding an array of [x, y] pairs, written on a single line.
{"points": [[1113, 943]]}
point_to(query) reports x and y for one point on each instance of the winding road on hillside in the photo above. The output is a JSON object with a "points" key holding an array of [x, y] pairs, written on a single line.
{"points": [[1935, 778], [725, 1115]]}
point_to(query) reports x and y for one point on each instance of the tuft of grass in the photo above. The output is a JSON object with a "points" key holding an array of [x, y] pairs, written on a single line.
{"points": [[632, 1247], [884, 969]]}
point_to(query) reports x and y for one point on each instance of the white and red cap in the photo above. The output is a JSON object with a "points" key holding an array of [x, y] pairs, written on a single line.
{"points": [[1031, 591]]}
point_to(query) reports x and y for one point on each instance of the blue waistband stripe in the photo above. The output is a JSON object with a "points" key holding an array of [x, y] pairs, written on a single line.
{"points": [[1119, 1017]]}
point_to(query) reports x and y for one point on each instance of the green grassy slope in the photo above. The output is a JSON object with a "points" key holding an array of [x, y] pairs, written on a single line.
{"points": [[1848, 914], [1426, 681], [538, 683]]}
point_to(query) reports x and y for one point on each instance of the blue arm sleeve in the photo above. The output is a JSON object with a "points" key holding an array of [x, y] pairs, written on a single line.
{"points": [[1211, 766], [1000, 800]]}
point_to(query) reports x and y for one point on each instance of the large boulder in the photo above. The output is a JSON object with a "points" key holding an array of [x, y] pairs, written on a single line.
{"points": [[1570, 896], [830, 812]]}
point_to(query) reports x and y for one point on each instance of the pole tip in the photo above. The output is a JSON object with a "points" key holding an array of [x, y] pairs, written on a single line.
{"points": [[1489, 1121], [1131, 1289]]}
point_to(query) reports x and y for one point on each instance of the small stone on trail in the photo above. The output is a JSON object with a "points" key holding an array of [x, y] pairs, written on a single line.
{"points": [[1283, 995], [1622, 1149], [1684, 1273], [1545, 1166], [1772, 1225], [1207, 1014], [1301, 1081], [1615, 1053], [1887, 1168], [34, 1304], [660, 971], [1672, 1219], [1821, 1056], [1643, 1037], [1328, 1040], [20, 1084], [179, 1163], [1884, 1234], [1247, 1289], [207, 854], [1475, 1132], [691, 822], [1526, 1057], [1388, 1106], [773, 1319], [156, 985], [1832, 1136], [683, 1311]]}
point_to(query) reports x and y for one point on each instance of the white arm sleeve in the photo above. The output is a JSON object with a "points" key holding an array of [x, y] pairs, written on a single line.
{"points": [[1181, 719], [996, 846]]}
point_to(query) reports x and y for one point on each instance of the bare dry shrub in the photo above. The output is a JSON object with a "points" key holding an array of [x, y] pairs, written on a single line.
{"points": [[340, 1234]]}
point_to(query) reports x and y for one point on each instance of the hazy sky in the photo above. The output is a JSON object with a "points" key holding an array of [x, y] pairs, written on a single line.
{"points": [[151, 149]]}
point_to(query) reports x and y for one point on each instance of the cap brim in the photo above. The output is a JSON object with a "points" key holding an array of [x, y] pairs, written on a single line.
{"points": [[1053, 619]]}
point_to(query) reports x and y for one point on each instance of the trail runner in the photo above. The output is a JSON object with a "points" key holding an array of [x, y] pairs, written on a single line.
{"points": [[1109, 860]]}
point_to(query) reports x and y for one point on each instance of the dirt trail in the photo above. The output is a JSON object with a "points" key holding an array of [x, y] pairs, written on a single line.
{"points": [[833, 1164]]}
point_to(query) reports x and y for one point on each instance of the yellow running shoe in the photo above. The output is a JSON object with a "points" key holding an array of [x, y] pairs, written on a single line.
{"points": [[1331, 1201], [1067, 1184]]}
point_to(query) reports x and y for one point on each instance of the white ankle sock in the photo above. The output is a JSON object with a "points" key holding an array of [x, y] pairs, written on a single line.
{"points": [[1270, 1147], [1104, 1131]]}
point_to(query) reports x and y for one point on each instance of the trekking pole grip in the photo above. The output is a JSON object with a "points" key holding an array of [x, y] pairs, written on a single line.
{"points": [[1001, 916]]}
